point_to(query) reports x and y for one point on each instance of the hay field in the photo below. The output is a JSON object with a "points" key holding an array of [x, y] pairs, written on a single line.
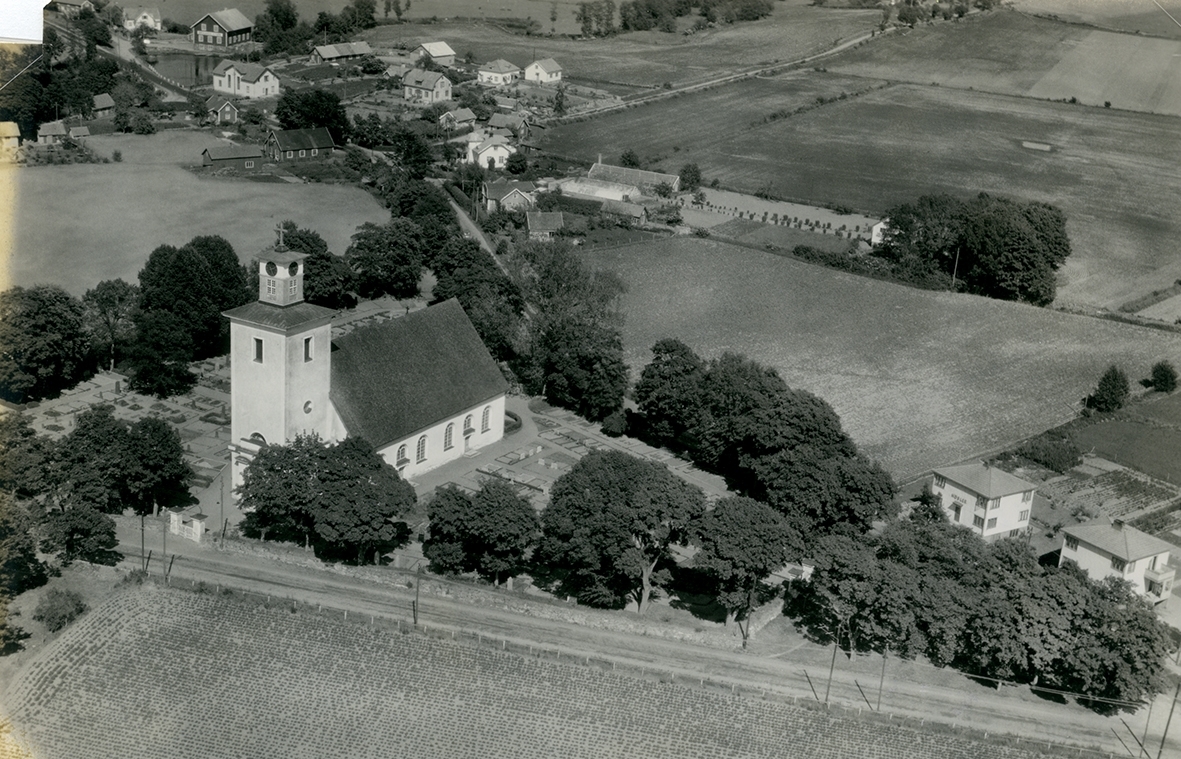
{"points": [[648, 59], [1125, 15], [920, 379], [1110, 171], [1014, 54], [77, 225], [166, 673]]}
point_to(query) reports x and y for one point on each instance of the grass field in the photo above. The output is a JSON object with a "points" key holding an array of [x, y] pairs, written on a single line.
{"points": [[1014, 54], [920, 379], [158, 672], [1144, 436], [648, 59], [1108, 170], [1124, 15], [77, 225]]}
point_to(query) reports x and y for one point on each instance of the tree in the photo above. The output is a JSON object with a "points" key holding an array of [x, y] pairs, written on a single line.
{"points": [[278, 488], [388, 259], [1164, 377], [159, 359], [1112, 392], [92, 462], [46, 350], [109, 307], [690, 177], [80, 533], [581, 365], [25, 458], [306, 109], [488, 533], [743, 541], [609, 526], [516, 164], [157, 474], [328, 280], [629, 159], [560, 100], [667, 391], [20, 569], [58, 608]]}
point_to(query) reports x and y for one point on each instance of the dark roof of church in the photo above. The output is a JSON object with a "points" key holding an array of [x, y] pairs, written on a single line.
{"points": [[280, 317], [393, 379]]}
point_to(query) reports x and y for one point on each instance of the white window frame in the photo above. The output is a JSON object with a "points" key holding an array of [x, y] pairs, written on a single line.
{"points": [[248, 165], [420, 450], [486, 419]]}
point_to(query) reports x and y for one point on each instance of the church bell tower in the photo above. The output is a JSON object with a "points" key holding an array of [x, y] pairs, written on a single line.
{"points": [[280, 361]]}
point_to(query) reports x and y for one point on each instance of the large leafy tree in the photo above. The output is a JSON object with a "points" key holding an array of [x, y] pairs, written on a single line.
{"points": [[92, 462], [609, 526], [488, 533], [20, 569], [80, 533], [157, 473], [388, 259], [45, 348], [328, 280], [667, 391], [159, 358], [309, 108], [109, 307], [278, 487], [742, 542], [25, 458]]}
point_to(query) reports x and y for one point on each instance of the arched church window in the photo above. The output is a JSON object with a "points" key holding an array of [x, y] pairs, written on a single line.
{"points": [[486, 419], [402, 455], [467, 425], [422, 449], [448, 436], [257, 438]]}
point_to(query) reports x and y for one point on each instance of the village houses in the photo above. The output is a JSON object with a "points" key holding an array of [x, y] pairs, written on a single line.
{"points": [[498, 73], [991, 502], [421, 86], [298, 144], [245, 80], [224, 28], [221, 110], [505, 195], [341, 51], [439, 53], [545, 71], [1110, 548], [134, 18], [489, 151]]}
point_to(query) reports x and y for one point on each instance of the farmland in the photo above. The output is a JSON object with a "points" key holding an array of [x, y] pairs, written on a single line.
{"points": [[642, 60], [1124, 15], [1145, 437], [1106, 169], [1013, 54], [156, 672], [919, 378], [72, 230]]}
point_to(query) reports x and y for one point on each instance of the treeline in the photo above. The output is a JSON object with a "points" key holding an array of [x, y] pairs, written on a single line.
{"points": [[60, 84], [780, 445], [987, 245], [642, 15], [281, 30], [926, 587]]}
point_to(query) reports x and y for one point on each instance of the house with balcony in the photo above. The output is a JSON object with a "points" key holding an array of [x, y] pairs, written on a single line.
{"points": [[989, 501], [1110, 548]]}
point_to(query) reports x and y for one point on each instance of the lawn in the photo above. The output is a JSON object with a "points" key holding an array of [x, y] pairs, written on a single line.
{"points": [[648, 59], [920, 379], [159, 672], [1014, 54], [1107, 169], [77, 225]]}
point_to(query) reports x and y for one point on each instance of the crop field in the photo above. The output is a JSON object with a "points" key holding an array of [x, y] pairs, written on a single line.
{"points": [[1125, 15], [77, 225], [648, 59], [167, 673], [1108, 170], [1014, 54], [920, 379]]}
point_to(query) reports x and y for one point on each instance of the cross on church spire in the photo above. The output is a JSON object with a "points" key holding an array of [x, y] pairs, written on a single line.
{"points": [[279, 245]]}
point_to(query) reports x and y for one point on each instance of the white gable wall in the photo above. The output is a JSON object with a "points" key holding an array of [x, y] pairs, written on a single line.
{"points": [[992, 519], [437, 454]]}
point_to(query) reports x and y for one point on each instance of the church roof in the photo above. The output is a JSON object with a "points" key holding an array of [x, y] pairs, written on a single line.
{"points": [[393, 379], [286, 318]]}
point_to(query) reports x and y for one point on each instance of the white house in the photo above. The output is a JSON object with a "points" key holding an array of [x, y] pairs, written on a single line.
{"points": [[246, 80], [878, 232], [421, 86], [545, 71], [498, 73], [505, 195], [491, 152], [422, 388], [439, 52], [10, 135], [134, 18], [991, 502], [1110, 548]]}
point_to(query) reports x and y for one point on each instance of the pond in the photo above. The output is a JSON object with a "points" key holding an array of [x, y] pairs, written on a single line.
{"points": [[188, 69]]}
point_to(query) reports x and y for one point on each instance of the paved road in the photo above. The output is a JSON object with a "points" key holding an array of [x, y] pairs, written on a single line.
{"points": [[1011, 710]]}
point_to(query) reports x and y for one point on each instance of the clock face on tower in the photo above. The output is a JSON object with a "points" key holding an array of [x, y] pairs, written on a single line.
{"points": [[271, 268], [293, 269]]}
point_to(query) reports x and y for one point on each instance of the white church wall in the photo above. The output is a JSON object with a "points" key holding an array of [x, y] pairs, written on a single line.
{"points": [[436, 454]]}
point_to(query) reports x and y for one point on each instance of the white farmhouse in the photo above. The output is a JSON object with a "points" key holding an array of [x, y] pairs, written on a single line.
{"points": [[438, 52], [545, 71], [422, 388], [498, 73], [133, 18], [991, 502], [245, 80], [1110, 548]]}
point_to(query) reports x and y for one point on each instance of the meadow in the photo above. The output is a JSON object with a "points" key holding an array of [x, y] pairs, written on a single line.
{"points": [[920, 379], [641, 60], [1107, 169], [1014, 54], [157, 672], [1144, 436], [1134, 16], [76, 225]]}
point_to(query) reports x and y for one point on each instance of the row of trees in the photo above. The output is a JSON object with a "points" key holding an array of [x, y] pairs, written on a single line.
{"points": [[783, 446], [988, 245], [281, 30], [926, 587], [63, 82]]}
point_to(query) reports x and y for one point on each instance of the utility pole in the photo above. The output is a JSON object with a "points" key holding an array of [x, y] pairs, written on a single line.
{"points": [[142, 554], [1168, 722], [882, 681], [833, 664]]}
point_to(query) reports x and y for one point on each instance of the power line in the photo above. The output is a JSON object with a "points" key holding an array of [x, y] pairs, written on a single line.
{"points": [[1175, 21], [26, 68]]}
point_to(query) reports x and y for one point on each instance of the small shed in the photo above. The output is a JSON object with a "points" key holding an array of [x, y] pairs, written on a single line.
{"points": [[52, 133], [104, 105], [543, 224], [243, 157], [79, 132], [188, 526]]}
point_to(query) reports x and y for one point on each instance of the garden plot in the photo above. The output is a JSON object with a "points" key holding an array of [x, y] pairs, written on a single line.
{"points": [[1117, 493]]}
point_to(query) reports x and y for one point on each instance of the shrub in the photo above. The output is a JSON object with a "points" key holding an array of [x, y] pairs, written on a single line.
{"points": [[117, 156], [59, 608], [1164, 377], [1051, 451], [615, 424], [1112, 391]]}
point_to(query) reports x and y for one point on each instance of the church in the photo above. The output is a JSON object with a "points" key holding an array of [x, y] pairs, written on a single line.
{"points": [[421, 389]]}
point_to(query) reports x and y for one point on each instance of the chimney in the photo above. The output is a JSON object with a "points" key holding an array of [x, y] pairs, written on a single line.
{"points": [[1117, 524]]}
